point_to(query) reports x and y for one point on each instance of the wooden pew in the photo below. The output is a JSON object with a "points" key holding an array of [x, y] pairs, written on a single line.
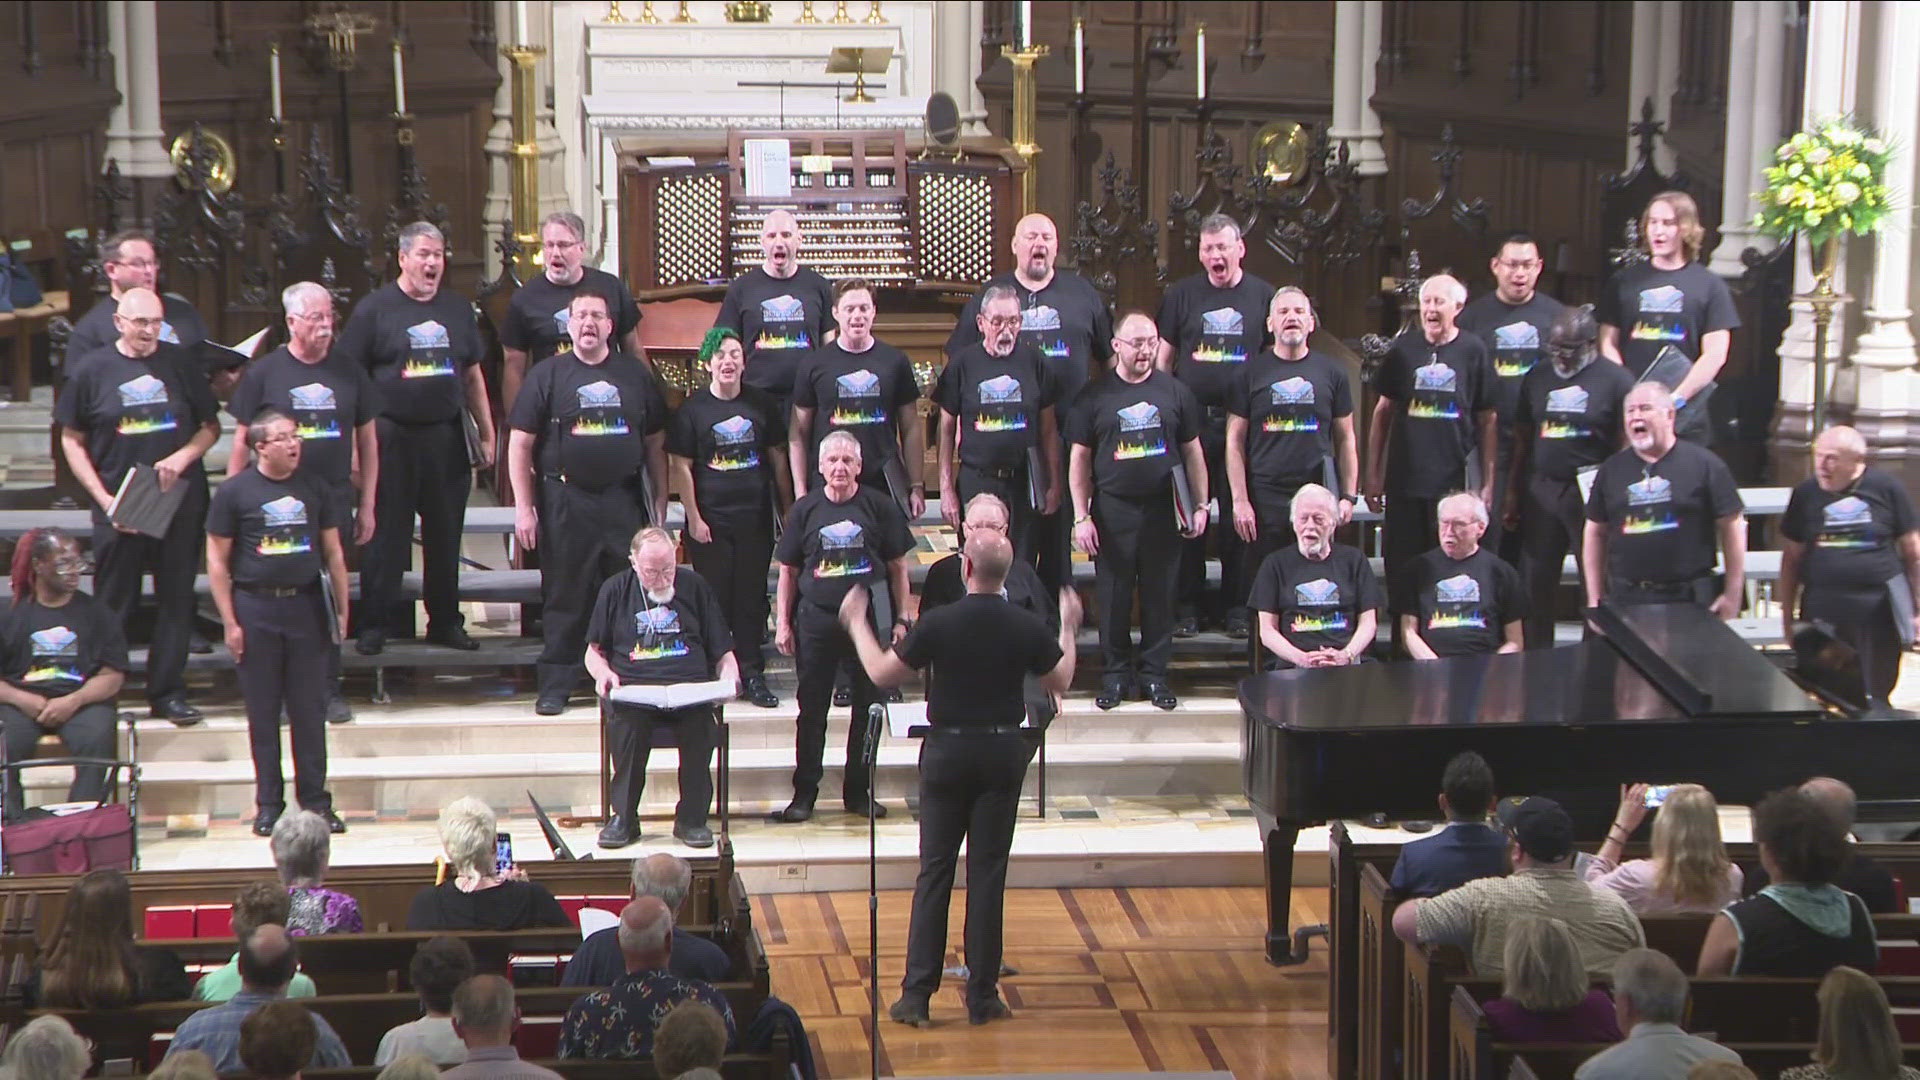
{"points": [[1346, 1003], [774, 1064], [1380, 976]]}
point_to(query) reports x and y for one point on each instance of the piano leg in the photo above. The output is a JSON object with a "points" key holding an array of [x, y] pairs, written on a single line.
{"points": [[1277, 842]]}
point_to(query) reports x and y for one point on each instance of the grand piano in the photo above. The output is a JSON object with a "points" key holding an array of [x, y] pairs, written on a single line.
{"points": [[1659, 693]]}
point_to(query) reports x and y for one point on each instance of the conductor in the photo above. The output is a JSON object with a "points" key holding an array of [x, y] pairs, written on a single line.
{"points": [[973, 761]]}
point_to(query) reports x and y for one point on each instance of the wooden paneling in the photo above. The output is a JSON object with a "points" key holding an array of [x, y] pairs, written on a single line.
{"points": [[54, 114]]}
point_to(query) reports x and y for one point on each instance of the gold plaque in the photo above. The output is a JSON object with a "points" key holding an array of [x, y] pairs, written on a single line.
{"points": [[225, 164], [1280, 150]]}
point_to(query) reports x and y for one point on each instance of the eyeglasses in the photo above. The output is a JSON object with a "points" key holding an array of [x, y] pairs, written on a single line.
{"points": [[72, 564], [997, 323], [139, 323], [283, 437], [1141, 343], [137, 264], [559, 245], [1519, 264]]}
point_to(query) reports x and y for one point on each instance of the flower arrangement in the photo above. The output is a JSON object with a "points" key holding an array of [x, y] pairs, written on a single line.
{"points": [[1825, 182]]}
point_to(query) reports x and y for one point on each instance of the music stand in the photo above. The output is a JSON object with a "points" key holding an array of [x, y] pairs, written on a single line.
{"points": [[860, 62], [555, 842]]}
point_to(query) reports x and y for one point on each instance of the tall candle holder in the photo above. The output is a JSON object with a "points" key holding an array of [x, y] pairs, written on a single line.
{"points": [[1026, 119], [526, 155]]}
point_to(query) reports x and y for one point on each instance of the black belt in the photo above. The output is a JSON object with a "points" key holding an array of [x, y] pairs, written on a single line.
{"points": [[278, 592], [1679, 585], [1215, 412], [977, 729], [996, 472]]}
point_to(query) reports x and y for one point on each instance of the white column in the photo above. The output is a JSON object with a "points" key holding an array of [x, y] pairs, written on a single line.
{"points": [[1349, 30], [973, 107], [1888, 340], [956, 59], [119, 123], [1643, 53], [141, 148], [1736, 216], [498, 207], [1666, 80], [553, 151], [1373, 159]]}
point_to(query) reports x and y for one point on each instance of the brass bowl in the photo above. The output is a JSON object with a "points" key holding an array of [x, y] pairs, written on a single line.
{"points": [[1280, 150], [225, 165]]}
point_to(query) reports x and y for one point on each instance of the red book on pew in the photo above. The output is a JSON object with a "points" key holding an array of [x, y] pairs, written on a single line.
{"points": [[607, 903], [213, 921], [538, 1037], [572, 905], [170, 921]]}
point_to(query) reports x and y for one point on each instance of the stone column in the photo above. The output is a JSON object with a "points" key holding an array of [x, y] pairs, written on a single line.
{"points": [[1353, 64], [973, 107], [956, 59], [1653, 72], [1888, 340], [134, 135], [497, 210], [1736, 228], [1373, 159]]}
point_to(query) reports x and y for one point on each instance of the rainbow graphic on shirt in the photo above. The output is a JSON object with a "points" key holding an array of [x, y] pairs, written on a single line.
{"points": [[1846, 524], [1516, 348], [783, 322], [1295, 395], [1435, 393], [843, 551], [1458, 601], [426, 367], [1317, 608], [1216, 327], [1041, 324], [859, 400], [146, 425], [735, 447], [1649, 507], [1000, 400], [55, 656], [657, 634], [1141, 435], [289, 513], [1661, 309], [314, 398], [144, 399], [598, 397], [427, 345]]}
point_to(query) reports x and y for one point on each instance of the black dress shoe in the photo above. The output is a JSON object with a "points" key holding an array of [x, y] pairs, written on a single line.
{"points": [[551, 703], [1237, 627], [865, 807], [263, 822], [842, 696], [698, 836], [198, 645], [800, 809], [338, 711], [1110, 695], [454, 637], [177, 710], [334, 824], [619, 832], [753, 689], [1187, 627], [371, 642], [910, 1011], [892, 695], [1162, 696], [993, 1008]]}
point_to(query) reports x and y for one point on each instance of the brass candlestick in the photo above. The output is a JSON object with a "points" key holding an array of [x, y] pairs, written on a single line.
{"points": [[1026, 120], [684, 15], [614, 14], [1825, 302], [647, 15], [807, 17], [526, 155], [840, 15], [873, 14]]}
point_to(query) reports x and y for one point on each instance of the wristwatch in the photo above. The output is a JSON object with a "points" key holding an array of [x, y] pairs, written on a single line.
{"points": [[1349, 498], [1679, 402]]}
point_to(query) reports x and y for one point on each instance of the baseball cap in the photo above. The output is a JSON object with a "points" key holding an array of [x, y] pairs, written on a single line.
{"points": [[1539, 825]]}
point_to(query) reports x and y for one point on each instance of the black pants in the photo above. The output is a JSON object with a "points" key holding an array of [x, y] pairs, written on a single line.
{"points": [[119, 560], [278, 674], [1552, 524], [1053, 534], [1502, 541], [735, 564], [1411, 529], [1865, 621], [424, 471], [585, 536], [347, 498], [631, 734], [1698, 590], [1022, 520], [89, 732], [820, 645], [1193, 553], [1139, 544], [969, 790]]}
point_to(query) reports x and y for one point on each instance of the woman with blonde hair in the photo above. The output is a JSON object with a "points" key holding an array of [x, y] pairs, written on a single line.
{"points": [[1546, 995], [477, 894], [1858, 1040], [1689, 870]]}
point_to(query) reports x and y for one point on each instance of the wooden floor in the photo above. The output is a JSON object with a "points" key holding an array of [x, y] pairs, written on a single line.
{"points": [[1110, 980]]}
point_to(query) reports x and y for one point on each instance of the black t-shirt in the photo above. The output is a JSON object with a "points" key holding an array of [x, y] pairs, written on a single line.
{"points": [[591, 420], [1852, 537], [1576, 422], [53, 651], [779, 320], [275, 526], [510, 905], [1462, 606], [860, 393], [328, 402], [1135, 431], [1654, 308], [1067, 321], [135, 412], [416, 351], [727, 444], [1290, 407], [1213, 331], [682, 640], [1440, 389], [945, 585], [979, 647], [537, 316], [836, 546], [997, 403], [1662, 518], [180, 325], [1515, 337], [1318, 604]]}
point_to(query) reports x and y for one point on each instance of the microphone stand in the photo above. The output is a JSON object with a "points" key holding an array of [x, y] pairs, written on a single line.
{"points": [[876, 723]]}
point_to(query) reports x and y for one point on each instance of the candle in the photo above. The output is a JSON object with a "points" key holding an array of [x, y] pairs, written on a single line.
{"points": [[520, 22], [1079, 56], [273, 78], [1200, 59], [1023, 27], [399, 80]]}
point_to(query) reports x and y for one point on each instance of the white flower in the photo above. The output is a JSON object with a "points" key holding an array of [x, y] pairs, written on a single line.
{"points": [[1784, 196], [1795, 170], [1846, 193], [1862, 171], [1818, 155], [1875, 146], [1783, 151]]}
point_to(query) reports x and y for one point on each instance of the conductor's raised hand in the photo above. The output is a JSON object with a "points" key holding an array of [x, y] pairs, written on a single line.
{"points": [[853, 606]]}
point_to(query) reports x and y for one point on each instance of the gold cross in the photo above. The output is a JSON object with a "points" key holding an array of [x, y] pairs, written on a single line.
{"points": [[339, 24]]}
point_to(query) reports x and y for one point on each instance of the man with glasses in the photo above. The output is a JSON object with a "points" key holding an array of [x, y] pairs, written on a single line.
{"points": [[1128, 434], [1318, 601], [143, 401], [271, 534], [1460, 599], [593, 426], [333, 405], [780, 308], [536, 323], [129, 261], [655, 623], [1512, 321]]}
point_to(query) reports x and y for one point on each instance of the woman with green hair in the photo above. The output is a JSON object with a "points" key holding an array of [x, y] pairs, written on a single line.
{"points": [[727, 452]]}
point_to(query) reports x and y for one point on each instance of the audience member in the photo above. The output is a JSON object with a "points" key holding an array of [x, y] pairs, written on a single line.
{"points": [[1720, 1070], [93, 962], [484, 1016], [1479, 915], [1689, 870], [438, 967], [410, 1067], [1650, 995], [277, 1040], [268, 957], [690, 1036], [1468, 847], [1862, 877], [480, 895], [257, 905], [668, 877], [302, 846], [1802, 924], [1858, 1040], [702, 1073], [1546, 996], [619, 1022], [46, 1049], [186, 1065]]}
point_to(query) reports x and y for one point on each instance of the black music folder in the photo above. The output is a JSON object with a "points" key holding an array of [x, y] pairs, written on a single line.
{"points": [[328, 597], [1036, 480], [470, 428], [1670, 368], [140, 505], [1900, 592], [898, 485], [1186, 509]]}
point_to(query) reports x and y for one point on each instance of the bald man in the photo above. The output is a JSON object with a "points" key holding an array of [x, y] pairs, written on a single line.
{"points": [[1850, 556], [144, 402], [618, 1022], [597, 962], [129, 260], [781, 309], [1436, 407], [1068, 321]]}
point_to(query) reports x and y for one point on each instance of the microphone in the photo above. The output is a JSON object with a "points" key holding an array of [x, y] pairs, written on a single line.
{"points": [[876, 723]]}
